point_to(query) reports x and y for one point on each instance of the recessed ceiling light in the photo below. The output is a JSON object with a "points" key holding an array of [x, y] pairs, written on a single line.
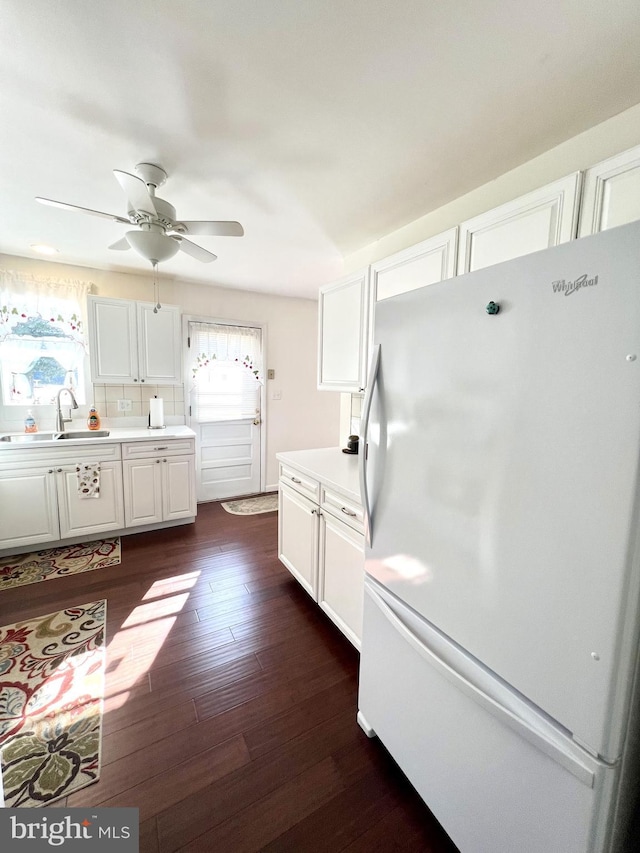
{"points": [[44, 250]]}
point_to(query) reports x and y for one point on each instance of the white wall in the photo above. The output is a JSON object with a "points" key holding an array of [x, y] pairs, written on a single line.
{"points": [[304, 417], [576, 154]]}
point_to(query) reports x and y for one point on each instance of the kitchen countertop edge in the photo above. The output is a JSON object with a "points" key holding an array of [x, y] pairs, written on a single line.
{"points": [[328, 465], [118, 436]]}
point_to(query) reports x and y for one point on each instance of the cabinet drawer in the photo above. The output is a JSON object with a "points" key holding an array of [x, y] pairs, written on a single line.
{"points": [[300, 482], [348, 511], [166, 447]]}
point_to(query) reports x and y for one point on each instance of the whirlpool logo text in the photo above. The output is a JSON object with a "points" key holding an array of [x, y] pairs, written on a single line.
{"points": [[569, 287]]}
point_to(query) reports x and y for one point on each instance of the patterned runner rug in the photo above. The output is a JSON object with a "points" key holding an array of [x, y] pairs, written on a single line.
{"points": [[253, 506], [51, 690], [58, 562]]}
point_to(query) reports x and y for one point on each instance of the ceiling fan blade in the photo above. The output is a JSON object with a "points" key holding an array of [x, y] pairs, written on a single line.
{"points": [[136, 191], [121, 245], [210, 229], [88, 210], [196, 252]]}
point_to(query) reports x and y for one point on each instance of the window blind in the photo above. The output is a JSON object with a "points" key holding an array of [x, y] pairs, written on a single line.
{"points": [[226, 368]]}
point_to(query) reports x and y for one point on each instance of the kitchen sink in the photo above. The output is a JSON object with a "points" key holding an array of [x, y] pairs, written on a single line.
{"points": [[84, 433], [29, 437]]}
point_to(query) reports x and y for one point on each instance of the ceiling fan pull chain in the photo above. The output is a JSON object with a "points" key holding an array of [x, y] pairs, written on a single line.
{"points": [[156, 288]]}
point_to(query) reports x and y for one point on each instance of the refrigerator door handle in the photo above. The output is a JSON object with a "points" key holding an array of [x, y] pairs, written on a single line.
{"points": [[364, 431], [539, 732]]}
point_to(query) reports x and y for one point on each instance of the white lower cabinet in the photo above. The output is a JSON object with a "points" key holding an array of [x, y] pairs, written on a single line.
{"points": [[341, 575], [29, 503], [159, 488], [43, 504], [298, 537], [40, 499], [322, 545], [90, 515]]}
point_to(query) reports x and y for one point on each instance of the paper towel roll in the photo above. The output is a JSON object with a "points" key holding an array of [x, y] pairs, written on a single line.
{"points": [[156, 413]]}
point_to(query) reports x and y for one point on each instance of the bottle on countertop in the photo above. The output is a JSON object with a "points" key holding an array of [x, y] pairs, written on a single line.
{"points": [[30, 424], [93, 421]]}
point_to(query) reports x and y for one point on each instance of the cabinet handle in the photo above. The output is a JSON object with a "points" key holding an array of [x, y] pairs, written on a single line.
{"points": [[296, 480], [164, 447], [58, 470], [313, 511], [50, 471], [135, 380], [157, 461], [142, 380], [348, 511], [164, 460]]}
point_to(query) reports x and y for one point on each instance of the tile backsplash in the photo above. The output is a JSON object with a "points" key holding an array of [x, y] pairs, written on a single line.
{"points": [[105, 399]]}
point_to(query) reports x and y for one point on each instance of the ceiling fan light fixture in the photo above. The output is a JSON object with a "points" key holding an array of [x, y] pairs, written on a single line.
{"points": [[152, 245], [43, 249]]}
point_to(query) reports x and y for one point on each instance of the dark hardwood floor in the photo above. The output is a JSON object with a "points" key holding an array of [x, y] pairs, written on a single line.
{"points": [[230, 710]]}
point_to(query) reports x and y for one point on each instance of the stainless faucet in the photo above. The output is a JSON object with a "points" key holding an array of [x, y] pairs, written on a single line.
{"points": [[60, 421]]}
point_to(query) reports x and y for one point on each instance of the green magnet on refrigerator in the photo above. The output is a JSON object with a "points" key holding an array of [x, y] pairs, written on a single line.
{"points": [[492, 308]]}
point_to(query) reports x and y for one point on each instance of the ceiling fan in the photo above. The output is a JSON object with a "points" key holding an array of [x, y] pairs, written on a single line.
{"points": [[160, 235]]}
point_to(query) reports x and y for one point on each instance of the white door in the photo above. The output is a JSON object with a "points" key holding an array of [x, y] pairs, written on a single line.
{"points": [[29, 504], [298, 538], [342, 333], [225, 382], [545, 217], [93, 515], [611, 193]]}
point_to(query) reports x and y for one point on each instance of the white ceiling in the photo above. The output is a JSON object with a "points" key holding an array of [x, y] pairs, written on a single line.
{"points": [[321, 125]]}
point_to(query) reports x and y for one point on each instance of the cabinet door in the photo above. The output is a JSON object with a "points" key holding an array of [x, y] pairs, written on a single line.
{"points": [[142, 491], [538, 220], [341, 576], [343, 334], [159, 347], [90, 515], [178, 487], [425, 263], [298, 538], [113, 346], [29, 513], [611, 193]]}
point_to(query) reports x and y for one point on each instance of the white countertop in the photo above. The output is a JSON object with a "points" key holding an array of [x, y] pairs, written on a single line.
{"points": [[115, 435], [330, 466]]}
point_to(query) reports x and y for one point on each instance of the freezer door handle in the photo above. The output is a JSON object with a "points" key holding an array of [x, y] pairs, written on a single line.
{"points": [[364, 434], [529, 724]]}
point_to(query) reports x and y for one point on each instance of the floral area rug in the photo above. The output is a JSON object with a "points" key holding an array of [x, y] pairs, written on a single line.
{"points": [[252, 506], [51, 690], [58, 562]]}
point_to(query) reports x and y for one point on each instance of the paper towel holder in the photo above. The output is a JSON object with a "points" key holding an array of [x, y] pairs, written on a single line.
{"points": [[154, 426]]}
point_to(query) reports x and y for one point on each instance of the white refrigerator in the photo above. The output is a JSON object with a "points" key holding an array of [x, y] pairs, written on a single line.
{"points": [[500, 476]]}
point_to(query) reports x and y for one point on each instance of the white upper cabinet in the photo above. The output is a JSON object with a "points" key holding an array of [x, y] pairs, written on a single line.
{"points": [[611, 193], [128, 343], [159, 344], [540, 219], [343, 333], [427, 262]]}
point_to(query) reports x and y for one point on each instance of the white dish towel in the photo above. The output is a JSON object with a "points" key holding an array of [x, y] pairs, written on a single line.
{"points": [[88, 481]]}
